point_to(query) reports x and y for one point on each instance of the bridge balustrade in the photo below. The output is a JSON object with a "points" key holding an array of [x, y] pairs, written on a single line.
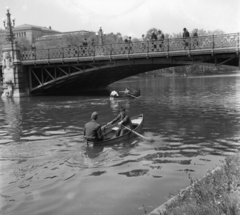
{"points": [[167, 45]]}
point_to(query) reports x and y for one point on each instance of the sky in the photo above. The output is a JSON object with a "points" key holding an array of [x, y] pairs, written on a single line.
{"points": [[129, 17]]}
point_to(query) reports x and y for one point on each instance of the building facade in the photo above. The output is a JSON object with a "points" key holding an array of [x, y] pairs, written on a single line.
{"points": [[35, 33]]}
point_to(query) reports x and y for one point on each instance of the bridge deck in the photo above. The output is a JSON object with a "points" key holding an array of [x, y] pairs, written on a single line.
{"points": [[203, 45]]}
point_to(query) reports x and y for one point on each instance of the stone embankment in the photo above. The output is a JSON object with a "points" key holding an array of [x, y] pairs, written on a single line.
{"points": [[218, 192]]}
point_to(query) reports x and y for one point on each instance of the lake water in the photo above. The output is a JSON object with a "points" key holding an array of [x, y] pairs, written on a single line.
{"points": [[46, 167]]}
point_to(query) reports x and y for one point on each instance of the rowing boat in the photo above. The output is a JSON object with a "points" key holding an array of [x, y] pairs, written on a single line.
{"points": [[121, 94], [133, 94], [109, 132]]}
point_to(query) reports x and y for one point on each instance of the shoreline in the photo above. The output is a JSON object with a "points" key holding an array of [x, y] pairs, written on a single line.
{"points": [[191, 200]]}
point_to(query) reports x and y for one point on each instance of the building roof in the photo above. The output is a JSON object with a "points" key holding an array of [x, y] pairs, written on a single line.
{"points": [[61, 35], [28, 26]]}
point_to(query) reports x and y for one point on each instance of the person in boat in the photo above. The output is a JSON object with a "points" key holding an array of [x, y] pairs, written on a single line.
{"points": [[114, 93], [126, 91], [92, 130], [124, 120]]}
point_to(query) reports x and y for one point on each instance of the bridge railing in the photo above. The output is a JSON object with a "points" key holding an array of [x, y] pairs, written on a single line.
{"points": [[167, 45]]}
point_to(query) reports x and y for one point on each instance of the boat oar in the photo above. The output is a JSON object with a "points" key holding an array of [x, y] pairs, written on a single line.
{"points": [[103, 127], [132, 95], [145, 138]]}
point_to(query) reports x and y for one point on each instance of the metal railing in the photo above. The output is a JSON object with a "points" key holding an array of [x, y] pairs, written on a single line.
{"points": [[213, 42]]}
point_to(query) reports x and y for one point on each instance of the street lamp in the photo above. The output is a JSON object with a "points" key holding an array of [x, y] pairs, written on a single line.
{"points": [[100, 36], [9, 25]]}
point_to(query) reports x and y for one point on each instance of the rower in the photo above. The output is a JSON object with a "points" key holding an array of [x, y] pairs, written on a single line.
{"points": [[114, 93], [126, 91], [124, 120]]}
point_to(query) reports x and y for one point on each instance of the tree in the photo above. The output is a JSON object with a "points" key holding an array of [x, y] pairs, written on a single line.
{"points": [[149, 33], [24, 43]]}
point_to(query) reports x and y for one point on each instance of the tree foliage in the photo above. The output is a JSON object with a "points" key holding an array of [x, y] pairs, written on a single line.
{"points": [[24, 43]]}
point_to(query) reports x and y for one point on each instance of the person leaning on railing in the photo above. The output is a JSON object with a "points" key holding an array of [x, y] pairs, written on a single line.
{"points": [[84, 45], [195, 38], [130, 44], [143, 42], [160, 37], [153, 39]]}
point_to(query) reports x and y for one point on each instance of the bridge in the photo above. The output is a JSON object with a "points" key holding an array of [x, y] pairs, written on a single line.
{"points": [[45, 71]]}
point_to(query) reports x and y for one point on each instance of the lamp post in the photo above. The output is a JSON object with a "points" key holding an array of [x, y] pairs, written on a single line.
{"points": [[9, 52], [100, 36], [9, 25]]}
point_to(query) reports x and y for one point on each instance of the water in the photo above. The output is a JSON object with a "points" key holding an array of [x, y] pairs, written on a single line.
{"points": [[46, 168]]}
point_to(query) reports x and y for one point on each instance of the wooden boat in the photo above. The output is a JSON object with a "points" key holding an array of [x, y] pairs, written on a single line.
{"points": [[110, 131], [133, 94]]}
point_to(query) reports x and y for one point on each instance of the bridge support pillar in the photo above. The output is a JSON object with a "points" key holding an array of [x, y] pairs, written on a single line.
{"points": [[14, 80]]}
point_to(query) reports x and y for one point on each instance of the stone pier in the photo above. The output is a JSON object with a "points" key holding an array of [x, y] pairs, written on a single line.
{"points": [[15, 81]]}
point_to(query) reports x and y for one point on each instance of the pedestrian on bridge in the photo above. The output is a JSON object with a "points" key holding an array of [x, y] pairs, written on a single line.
{"points": [[186, 38], [84, 46], [195, 38], [126, 45], [160, 37], [143, 42], [154, 38], [130, 44]]}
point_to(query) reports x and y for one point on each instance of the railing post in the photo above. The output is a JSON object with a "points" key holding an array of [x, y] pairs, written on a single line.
{"points": [[62, 52], [110, 50], [148, 46], [190, 43], [48, 54], [168, 44], [238, 45], [78, 51], [213, 42], [35, 54]]}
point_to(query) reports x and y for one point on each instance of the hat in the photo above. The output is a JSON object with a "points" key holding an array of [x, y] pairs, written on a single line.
{"points": [[94, 115]]}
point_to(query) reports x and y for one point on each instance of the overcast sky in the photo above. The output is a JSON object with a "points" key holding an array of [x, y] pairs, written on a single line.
{"points": [[129, 17]]}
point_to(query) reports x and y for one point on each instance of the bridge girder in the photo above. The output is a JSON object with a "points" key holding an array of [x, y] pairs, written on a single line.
{"points": [[92, 75], [80, 76]]}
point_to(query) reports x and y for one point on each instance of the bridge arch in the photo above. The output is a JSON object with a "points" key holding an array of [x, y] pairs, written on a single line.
{"points": [[91, 75]]}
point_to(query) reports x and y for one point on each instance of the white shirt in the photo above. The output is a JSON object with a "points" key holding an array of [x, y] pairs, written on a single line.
{"points": [[114, 93]]}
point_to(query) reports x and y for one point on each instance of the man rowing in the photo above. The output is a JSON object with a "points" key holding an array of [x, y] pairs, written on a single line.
{"points": [[113, 94], [92, 130], [124, 121]]}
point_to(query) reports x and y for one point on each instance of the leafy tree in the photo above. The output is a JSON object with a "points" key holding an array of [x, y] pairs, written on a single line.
{"points": [[24, 43], [149, 33]]}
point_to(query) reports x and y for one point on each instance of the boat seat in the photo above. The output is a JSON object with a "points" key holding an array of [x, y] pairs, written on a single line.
{"points": [[115, 128], [136, 121]]}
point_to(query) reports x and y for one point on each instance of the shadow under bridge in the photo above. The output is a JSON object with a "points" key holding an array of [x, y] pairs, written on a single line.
{"points": [[88, 76]]}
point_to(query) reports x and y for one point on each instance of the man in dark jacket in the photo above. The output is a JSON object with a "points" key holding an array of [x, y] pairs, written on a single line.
{"points": [[186, 38], [92, 130], [124, 120]]}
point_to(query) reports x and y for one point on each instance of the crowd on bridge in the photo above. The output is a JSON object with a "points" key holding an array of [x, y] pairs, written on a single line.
{"points": [[157, 36]]}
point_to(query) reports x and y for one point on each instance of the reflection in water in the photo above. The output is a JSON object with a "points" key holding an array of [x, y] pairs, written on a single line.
{"points": [[12, 117], [194, 121], [114, 104], [135, 173], [93, 151]]}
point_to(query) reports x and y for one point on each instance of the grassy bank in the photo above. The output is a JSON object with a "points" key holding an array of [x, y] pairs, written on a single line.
{"points": [[218, 193]]}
